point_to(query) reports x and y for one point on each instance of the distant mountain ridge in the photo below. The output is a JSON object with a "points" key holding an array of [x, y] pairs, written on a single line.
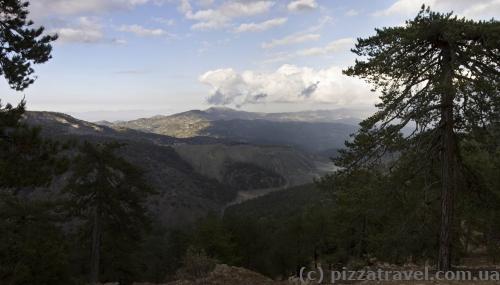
{"points": [[348, 116], [313, 131], [193, 175]]}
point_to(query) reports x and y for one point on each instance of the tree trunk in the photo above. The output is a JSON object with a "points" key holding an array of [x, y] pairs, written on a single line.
{"points": [[96, 246], [448, 166]]}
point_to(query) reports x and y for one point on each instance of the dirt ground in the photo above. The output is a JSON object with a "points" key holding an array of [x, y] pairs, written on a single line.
{"points": [[230, 275]]}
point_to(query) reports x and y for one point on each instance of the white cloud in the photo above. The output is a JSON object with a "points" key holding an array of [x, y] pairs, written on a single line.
{"points": [[292, 39], [335, 46], [404, 7], [289, 83], [205, 3], [43, 8], [308, 35], [484, 9], [299, 5], [221, 16], [185, 6], [262, 26], [141, 31], [76, 20], [86, 30]]}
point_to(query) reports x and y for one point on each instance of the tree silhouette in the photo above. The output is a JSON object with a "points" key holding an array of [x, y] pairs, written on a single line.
{"points": [[25, 158], [108, 193], [21, 45], [439, 75], [33, 249]]}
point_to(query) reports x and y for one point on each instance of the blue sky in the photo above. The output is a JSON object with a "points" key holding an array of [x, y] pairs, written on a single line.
{"points": [[120, 59]]}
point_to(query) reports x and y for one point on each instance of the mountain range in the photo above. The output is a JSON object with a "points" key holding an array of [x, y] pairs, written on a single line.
{"points": [[311, 131], [195, 169]]}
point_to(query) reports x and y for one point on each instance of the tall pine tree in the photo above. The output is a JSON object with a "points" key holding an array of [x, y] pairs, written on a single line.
{"points": [[108, 194], [439, 75]]}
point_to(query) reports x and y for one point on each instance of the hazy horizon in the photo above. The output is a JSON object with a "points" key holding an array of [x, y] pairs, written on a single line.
{"points": [[127, 115]]}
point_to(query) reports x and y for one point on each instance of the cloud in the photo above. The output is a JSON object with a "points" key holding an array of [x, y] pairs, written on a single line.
{"points": [[299, 5], [309, 90], [86, 30], [292, 39], [475, 9], [322, 22], [76, 20], [185, 6], [289, 83], [483, 9], [259, 97], [223, 15], [139, 30], [43, 8], [205, 3], [335, 46], [404, 7], [308, 35], [262, 26]]}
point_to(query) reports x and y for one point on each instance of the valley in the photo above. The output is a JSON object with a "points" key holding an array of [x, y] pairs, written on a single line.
{"points": [[199, 172]]}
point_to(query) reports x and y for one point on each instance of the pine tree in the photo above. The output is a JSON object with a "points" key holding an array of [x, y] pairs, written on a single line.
{"points": [[32, 247], [21, 45], [108, 194], [21, 148], [439, 75], [27, 160]]}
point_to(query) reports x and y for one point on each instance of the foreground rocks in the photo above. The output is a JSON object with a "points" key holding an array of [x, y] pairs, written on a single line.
{"points": [[230, 275], [226, 275]]}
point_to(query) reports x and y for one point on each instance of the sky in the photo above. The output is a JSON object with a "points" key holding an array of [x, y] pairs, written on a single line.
{"points": [[123, 59]]}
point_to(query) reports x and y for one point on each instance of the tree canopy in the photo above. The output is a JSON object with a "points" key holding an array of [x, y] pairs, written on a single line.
{"points": [[412, 66], [21, 45]]}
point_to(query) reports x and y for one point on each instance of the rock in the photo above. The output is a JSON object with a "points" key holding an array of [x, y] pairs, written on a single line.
{"points": [[229, 275]]}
